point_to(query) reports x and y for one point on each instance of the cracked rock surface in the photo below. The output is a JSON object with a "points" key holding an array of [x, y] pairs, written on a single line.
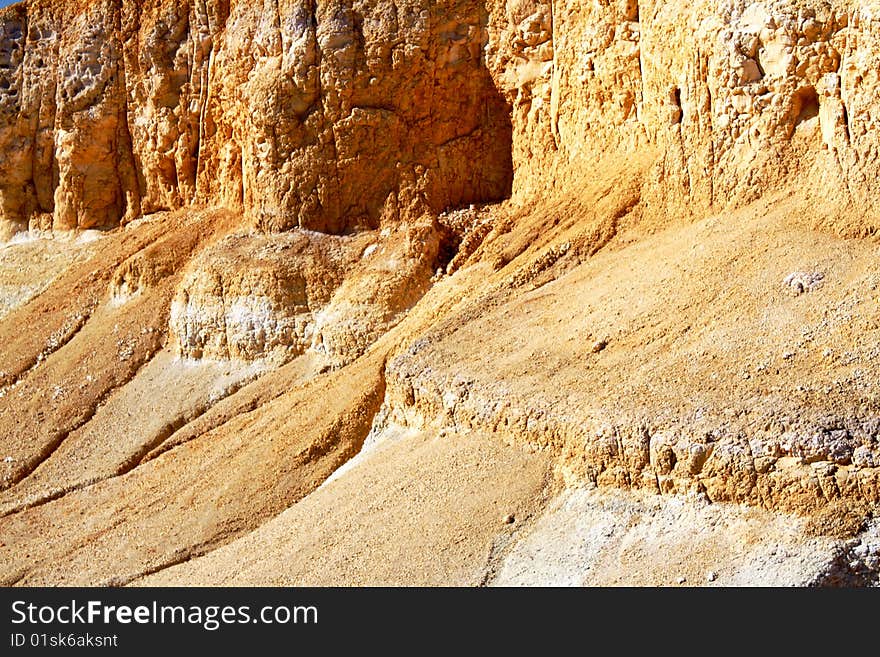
{"points": [[461, 292]]}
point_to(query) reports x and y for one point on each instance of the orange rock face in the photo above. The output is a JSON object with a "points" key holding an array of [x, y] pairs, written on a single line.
{"points": [[378, 280], [332, 117], [338, 116]]}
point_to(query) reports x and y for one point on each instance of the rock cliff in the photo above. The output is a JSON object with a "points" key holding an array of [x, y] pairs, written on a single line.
{"points": [[273, 255], [339, 116], [327, 116]]}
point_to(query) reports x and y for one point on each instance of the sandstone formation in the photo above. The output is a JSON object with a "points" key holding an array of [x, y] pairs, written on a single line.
{"points": [[522, 289], [338, 116], [276, 297], [302, 114]]}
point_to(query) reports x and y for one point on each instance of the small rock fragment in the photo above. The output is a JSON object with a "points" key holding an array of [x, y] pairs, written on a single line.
{"points": [[799, 282], [711, 576], [598, 346]]}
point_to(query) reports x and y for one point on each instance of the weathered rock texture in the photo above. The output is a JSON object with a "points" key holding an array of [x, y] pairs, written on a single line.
{"points": [[511, 246], [329, 116], [340, 115], [736, 98], [277, 297]]}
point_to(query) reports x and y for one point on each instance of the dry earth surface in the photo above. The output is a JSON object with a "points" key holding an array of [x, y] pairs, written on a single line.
{"points": [[502, 292]]}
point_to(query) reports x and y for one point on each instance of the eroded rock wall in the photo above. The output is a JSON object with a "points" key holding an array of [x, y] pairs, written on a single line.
{"points": [[66, 153], [329, 116], [348, 113], [735, 99], [340, 115]]}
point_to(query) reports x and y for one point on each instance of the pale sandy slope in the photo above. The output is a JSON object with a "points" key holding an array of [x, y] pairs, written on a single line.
{"points": [[423, 510], [688, 313], [28, 265], [236, 495]]}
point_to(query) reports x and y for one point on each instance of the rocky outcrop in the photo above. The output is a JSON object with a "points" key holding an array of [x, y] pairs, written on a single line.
{"points": [[279, 296], [798, 465], [579, 236], [331, 117], [247, 298], [345, 115]]}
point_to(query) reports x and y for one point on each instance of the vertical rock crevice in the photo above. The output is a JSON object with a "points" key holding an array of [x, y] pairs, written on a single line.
{"points": [[17, 194]]}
